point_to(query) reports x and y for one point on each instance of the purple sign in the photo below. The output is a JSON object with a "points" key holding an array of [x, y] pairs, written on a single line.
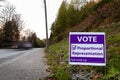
{"points": [[87, 48]]}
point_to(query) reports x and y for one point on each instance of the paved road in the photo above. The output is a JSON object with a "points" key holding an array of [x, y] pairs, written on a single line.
{"points": [[10, 55], [22, 65]]}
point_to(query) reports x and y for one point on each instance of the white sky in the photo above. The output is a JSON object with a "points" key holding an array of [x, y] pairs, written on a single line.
{"points": [[32, 12]]}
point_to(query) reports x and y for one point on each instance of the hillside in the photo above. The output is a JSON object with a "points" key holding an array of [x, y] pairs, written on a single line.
{"points": [[104, 17], [113, 55], [103, 13]]}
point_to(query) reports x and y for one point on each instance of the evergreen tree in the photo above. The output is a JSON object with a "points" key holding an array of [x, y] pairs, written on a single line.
{"points": [[60, 23], [11, 31], [8, 31], [72, 16], [1, 38]]}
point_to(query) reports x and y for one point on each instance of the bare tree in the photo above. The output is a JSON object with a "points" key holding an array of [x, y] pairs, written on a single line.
{"points": [[28, 32], [78, 3], [18, 21], [7, 12], [2, 0]]}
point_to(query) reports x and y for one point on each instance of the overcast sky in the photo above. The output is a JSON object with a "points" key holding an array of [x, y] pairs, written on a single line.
{"points": [[32, 12]]}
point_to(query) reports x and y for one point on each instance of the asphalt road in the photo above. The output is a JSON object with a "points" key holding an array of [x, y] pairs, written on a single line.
{"points": [[18, 64]]}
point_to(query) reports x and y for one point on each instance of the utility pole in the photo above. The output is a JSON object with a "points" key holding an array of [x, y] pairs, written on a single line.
{"points": [[46, 23]]}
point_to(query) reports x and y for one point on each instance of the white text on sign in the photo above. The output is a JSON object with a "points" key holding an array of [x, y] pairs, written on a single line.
{"points": [[87, 38]]}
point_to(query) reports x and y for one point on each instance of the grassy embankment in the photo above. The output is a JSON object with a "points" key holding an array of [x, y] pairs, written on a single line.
{"points": [[58, 55], [104, 17]]}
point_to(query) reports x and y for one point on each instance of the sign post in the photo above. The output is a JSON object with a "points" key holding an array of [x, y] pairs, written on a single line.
{"points": [[87, 48]]}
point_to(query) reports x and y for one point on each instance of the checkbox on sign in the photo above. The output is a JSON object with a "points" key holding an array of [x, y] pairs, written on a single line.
{"points": [[73, 47]]}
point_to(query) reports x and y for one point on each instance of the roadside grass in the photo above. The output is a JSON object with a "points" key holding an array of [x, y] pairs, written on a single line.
{"points": [[58, 56], [112, 51]]}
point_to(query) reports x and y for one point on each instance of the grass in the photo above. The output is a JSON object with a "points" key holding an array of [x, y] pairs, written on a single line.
{"points": [[57, 56], [59, 52]]}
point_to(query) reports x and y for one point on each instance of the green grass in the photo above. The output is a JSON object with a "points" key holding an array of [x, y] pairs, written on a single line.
{"points": [[54, 54], [62, 72]]}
